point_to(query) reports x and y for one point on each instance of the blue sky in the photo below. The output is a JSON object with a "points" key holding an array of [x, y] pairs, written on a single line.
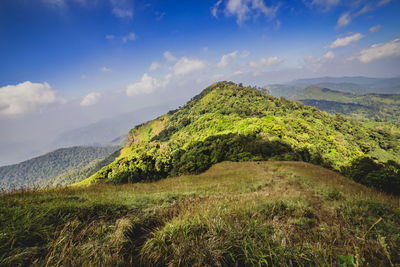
{"points": [[64, 61], [63, 41]]}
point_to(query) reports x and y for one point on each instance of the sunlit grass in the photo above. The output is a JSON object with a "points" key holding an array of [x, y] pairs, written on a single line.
{"points": [[253, 213]]}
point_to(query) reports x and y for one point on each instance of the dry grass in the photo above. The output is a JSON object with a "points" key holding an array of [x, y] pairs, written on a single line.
{"points": [[253, 213]]}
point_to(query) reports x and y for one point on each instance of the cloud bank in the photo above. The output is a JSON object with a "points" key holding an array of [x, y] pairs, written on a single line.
{"points": [[146, 85], [186, 65], [379, 51], [25, 97], [345, 40]]}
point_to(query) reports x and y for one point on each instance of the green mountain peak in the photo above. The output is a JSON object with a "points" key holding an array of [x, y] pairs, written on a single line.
{"points": [[231, 122]]}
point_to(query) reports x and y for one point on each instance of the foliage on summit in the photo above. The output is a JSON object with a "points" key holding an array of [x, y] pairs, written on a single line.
{"points": [[231, 122]]}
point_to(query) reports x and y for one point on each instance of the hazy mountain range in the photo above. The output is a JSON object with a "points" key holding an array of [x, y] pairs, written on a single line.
{"points": [[105, 132], [357, 85]]}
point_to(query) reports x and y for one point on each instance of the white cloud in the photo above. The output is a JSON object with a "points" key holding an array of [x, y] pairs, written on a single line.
{"points": [[316, 63], [321, 59], [344, 20], [169, 56], [344, 41], [105, 70], [325, 4], [122, 13], [121, 8], [214, 9], [25, 97], [364, 10], [129, 37], [244, 9], [110, 37], [126, 38], [90, 99], [379, 51], [229, 58], [154, 66], [239, 72], [383, 2], [186, 65], [146, 85], [328, 55], [265, 62], [55, 3], [375, 28], [226, 59]]}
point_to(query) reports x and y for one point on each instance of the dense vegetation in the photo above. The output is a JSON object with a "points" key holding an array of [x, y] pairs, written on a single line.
{"points": [[230, 122], [234, 214], [379, 107], [60, 167]]}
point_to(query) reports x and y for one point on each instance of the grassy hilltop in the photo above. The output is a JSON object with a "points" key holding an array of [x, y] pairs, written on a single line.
{"points": [[246, 213], [231, 122]]}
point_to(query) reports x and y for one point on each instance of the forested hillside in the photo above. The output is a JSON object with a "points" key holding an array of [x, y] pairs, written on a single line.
{"points": [[49, 169], [230, 122]]}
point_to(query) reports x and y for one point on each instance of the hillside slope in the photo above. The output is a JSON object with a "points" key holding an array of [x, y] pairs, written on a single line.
{"points": [[230, 122], [49, 169], [236, 213]]}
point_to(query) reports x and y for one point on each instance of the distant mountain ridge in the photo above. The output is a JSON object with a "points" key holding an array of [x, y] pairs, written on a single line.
{"points": [[110, 131], [359, 80], [43, 170], [371, 106], [106, 132], [359, 97], [356, 85]]}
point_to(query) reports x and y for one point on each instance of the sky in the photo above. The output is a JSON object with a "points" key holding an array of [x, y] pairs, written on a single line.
{"points": [[68, 63]]}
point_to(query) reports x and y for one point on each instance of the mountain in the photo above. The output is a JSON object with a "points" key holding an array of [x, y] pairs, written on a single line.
{"points": [[260, 199], [231, 122], [111, 131], [18, 151], [234, 214], [55, 168], [355, 85], [371, 106], [106, 132], [360, 85]]}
